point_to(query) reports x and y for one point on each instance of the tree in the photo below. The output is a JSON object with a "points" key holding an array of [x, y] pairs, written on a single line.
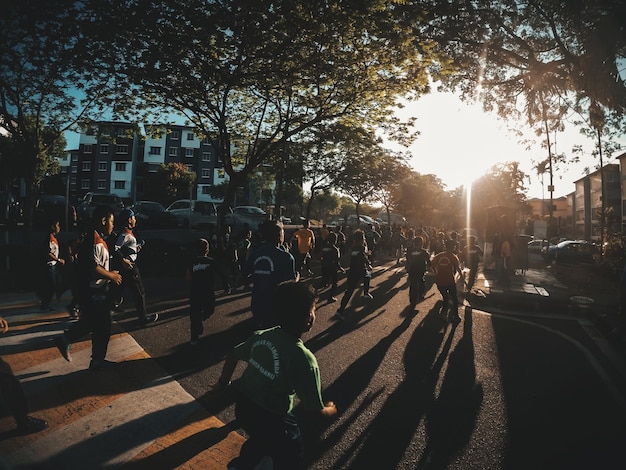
{"points": [[419, 198], [264, 72], [40, 79], [170, 182], [534, 61], [502, 185]]}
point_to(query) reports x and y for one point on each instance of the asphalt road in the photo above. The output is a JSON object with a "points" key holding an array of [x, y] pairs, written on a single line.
{"points": [[496, 391]]}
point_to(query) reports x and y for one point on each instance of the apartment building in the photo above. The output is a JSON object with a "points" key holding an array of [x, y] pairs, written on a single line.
{"points": [[112, 156]]}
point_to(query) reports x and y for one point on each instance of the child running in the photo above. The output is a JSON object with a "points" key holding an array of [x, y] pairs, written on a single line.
{"points": [[360, 268], [201, 274], [330, 265]]}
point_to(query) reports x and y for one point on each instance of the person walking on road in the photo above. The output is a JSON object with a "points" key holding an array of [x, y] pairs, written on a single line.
{"points": [[279, 366], [201, 275], [94, 292], [306, 242], [15, 398], [330, 260], [127, 249], [50, 272], [268, 265], [471, 254], [360, 269], [417, 263], [446, 266]]}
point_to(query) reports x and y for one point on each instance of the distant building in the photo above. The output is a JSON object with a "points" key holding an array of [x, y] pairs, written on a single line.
{"points": [[587, 204]]}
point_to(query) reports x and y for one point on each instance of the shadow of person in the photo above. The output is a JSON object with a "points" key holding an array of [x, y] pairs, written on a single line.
{"points": [[451, 420]]}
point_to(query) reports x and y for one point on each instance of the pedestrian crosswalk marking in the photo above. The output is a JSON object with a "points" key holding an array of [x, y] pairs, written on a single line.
{"points": [[104, 419]]}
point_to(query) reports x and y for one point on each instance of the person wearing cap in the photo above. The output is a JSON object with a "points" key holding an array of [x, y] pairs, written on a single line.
{"points": [[126, 251]]}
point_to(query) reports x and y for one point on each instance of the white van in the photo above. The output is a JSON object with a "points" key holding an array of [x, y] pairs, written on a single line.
{"points": [[192, 213]]}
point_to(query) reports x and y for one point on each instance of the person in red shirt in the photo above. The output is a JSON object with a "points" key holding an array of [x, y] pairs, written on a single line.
{"points": [[446, 265]]}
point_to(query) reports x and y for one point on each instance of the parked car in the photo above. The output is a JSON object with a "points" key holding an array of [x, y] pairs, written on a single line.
{"points": [[193, 213], [54, 206], [242, 215], [10, 209], [92, 200], [570, 251], [151, 214], [535, 246], [285, 220]]}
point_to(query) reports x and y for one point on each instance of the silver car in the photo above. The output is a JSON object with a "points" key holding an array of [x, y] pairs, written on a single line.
{"points": [[242, 215], [192, 213]]}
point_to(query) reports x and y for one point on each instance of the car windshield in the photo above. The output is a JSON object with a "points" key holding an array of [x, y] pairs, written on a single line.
{"points": [[204, 207], [52, 199], [105, 199], [249, 210], [152, 207]]}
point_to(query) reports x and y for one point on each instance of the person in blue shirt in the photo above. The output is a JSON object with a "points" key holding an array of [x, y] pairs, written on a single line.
{"points": [[269, 264]]}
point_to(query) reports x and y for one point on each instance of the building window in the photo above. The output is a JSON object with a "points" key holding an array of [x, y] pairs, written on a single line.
{"points": [[74, 157], [206, 156], [102, 184], [105, 132], [155, 150], [188, 153], [121, 149], [206, 173], [74, 169], [102, 166], [121, 132], [173, 152], [190, 135], [120, 166], [190, 168], [120, 184], [86, 166], [84, 184], [87, 148], [221, 173], [174, 135], [206, 141], [104, 148], [206, 189], [73, 180]]}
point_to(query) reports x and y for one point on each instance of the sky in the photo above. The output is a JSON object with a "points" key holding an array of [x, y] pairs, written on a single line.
{"points": [[460, 142]]}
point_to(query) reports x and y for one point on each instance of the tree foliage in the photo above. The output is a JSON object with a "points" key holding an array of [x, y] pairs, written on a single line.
{"points": [[170, 182], [41, 75], [263, 72]]}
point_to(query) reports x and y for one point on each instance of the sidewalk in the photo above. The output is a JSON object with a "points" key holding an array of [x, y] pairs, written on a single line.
{"points": [[106, 419], [538, 290]]}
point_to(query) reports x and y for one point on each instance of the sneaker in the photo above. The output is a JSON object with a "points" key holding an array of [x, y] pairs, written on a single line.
{"points": [[72, 310], [100, 364], [64, 347], [339, 314], [31, 425], [368, 296], [332, 299], [119, 301]]}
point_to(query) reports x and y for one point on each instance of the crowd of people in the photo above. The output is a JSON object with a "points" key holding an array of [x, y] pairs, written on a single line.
{"points": [[271, 263]]}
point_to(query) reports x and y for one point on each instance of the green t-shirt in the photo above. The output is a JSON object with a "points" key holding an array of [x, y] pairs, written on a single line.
{"points": [[279, 367]]}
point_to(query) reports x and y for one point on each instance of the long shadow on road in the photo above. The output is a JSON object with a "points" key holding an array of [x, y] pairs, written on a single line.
{"points": [[396, 423]]}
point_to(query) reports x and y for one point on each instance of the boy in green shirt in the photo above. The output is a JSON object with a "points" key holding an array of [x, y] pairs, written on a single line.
{"points": [[279, 367]]}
